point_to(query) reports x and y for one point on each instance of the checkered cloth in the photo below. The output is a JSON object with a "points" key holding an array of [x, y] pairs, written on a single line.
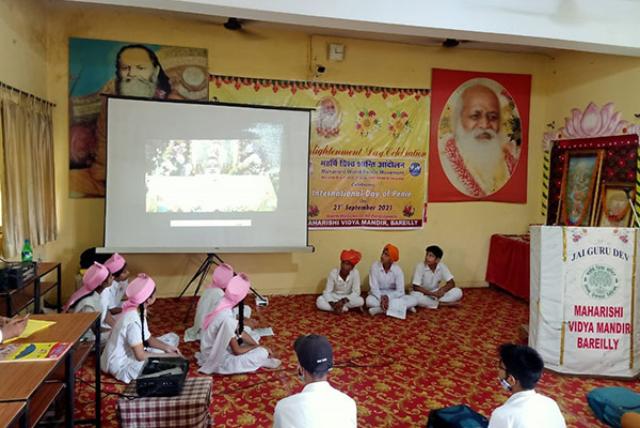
{"points": [[189, 409]]}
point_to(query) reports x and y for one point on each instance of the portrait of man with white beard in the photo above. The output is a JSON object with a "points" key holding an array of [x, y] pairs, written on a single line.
{"points": [[140, 74], [328, 118], [476, 152], [129, 69]]}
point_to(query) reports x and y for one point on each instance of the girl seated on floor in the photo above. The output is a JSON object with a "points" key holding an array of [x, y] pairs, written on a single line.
{"points": [[212, 295], [113, 295], [130, 342], [87, 297], [210, 299], [225, 348]]}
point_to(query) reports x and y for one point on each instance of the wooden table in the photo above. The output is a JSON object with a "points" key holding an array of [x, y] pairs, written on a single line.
{"points": [[12, 413], [508, 264], [26, 380], [14, 301]]}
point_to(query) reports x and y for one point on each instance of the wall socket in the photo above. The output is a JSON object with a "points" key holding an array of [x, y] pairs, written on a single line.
{"points": [[336, 52]]}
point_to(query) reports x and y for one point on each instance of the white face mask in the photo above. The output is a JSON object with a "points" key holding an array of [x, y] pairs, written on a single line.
{"points": [[505, 385]]}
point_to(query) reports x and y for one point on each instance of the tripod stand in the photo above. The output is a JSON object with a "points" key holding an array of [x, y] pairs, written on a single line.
{"points": [[201, 274]]}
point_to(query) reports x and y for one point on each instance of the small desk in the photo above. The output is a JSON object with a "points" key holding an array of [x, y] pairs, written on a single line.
{"points": [[12, 413], [508, 265], [13, 301], [26, 380]]}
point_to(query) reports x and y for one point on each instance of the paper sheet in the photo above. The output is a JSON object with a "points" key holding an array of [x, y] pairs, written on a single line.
{"points": [[266, 331], [32, 327]]}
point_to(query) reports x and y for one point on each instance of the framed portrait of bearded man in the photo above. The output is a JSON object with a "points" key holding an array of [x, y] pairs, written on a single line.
{"points": [[479, 127], [126, 69], [614, 209]]}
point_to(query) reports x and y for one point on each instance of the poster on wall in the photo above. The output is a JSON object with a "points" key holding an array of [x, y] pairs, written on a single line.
{"points": [[127, 69], [478, 136], [368, 148], [584, 280]]}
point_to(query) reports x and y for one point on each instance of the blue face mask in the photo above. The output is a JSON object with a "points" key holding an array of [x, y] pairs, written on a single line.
{"points": [[300, 374], [505, 385]]}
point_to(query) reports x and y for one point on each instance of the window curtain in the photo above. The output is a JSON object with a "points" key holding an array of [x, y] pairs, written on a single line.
{"points": [[28, 179]]}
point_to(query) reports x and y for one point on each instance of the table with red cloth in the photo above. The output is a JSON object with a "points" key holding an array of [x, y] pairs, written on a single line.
{"points": [[508, 265], [189, 409]]}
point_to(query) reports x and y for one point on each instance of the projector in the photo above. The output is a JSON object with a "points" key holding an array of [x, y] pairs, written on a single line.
{"points": [[15, 275], [162, 377]]}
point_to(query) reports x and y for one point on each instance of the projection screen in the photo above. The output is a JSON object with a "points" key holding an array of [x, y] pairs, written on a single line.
{"points": [[192, 177]]}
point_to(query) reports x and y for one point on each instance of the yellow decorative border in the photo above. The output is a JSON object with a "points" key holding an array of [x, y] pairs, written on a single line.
{"points": [[564, 259], [546, 173], [562, 344], [633, 300]]}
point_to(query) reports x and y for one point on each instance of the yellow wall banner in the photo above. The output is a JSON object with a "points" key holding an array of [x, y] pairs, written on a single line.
{"points": [[367, 153]]}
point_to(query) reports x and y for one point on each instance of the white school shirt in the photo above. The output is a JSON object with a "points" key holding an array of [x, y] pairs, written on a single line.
{"points": [[386, 283], [118, 357], [426, 278], [207, 303], [215, 349], [319, 405], [336, 286], [114, 293], [91, 303], [527, 409]]}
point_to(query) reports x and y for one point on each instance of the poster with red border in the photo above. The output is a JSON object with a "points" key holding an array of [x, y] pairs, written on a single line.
{"points": [[478, 136]]}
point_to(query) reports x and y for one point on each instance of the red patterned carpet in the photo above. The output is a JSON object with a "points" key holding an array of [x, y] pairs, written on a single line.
{"points": [[395, 370]]}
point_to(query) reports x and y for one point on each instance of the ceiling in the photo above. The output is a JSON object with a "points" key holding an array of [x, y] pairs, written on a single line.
{"points": [[543, 26]]}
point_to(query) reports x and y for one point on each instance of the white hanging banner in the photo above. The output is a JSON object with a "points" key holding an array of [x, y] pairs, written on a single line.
{"points": [[583, 306]]}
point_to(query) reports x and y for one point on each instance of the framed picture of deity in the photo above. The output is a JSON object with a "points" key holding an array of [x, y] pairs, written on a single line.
{"points": [[614, 209], [579, 191]]}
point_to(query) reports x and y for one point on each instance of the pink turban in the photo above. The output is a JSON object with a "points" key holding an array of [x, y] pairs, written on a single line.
{"points": [[138, 291], [235, 292], [393, 252], [92, 278], [115, 263], [221, 276]]}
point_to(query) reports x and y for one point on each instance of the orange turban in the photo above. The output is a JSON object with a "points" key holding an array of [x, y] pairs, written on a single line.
{"points": [[393, 252], [351, 256]]}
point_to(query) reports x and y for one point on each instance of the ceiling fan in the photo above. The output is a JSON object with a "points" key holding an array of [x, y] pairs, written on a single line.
{"points": [[240, 26]]}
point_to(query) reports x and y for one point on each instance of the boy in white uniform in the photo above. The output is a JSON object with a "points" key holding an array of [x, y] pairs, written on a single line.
{"points": [[342, 291], [319, 405], [427, 279], [520, 368], [386, 285]]}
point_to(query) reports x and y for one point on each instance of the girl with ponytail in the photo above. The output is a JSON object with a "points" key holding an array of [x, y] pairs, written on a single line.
{"points": [[131, 343], [225, 348]]}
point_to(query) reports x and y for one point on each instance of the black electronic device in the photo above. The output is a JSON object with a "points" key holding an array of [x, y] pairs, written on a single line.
{"points": [[14, 275], [162, 377]]}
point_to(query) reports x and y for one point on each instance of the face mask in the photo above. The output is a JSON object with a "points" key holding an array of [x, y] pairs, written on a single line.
{"points": [[300, 374], [505, 385]]}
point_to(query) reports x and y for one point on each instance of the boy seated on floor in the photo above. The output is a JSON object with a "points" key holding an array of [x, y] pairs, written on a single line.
{"points": [[386, 286], [519, 370], [343, 286], [427, 279]]}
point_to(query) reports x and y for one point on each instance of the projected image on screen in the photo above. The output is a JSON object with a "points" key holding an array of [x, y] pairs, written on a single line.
{"points": [[231, 175]]}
